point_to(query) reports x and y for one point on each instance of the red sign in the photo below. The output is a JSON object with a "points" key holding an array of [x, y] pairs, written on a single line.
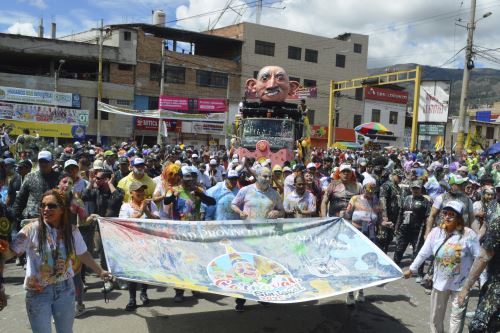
{"points": [[174, 103], [319, 132], [212, 105], [151, 124], [386, 95]]}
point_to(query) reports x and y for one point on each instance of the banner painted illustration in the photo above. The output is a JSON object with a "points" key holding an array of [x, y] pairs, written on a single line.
{"points": [[47, 129], [44, 114], [279, 261], [39, 97]]}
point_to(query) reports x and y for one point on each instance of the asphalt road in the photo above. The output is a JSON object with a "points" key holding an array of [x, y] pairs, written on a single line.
{"points": [[397, 307]]}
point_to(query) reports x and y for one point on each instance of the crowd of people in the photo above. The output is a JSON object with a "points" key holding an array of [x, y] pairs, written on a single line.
{"points": [[446, 207]]}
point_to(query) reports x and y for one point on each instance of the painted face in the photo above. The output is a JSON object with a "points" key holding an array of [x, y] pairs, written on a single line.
{"points": [[264, 179], [66, 184], [345, 174], [450, 219], [139, 169]]}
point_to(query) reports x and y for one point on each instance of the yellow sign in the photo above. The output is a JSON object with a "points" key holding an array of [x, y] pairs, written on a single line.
{"points": [[46, 129]]}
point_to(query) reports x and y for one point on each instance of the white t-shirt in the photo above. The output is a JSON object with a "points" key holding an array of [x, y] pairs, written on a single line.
{"points": [[126, 210], [55, 266]]}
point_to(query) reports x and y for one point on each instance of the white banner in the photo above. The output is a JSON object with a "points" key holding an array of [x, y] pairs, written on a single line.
{"points": [[434, 102], [39, 97], [43, 114]]}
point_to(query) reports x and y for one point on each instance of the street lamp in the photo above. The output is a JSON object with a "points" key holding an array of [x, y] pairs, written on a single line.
{"points": [[56, 77]]}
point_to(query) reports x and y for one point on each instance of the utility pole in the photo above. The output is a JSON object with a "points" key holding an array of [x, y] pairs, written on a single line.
{"points": [[258, 11], [56, 78], [99, 83], [162, 91], [226, 125], [468, 66]]}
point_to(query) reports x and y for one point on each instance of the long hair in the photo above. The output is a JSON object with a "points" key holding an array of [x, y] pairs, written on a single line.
{"points": [[64, 225], [168, 175]]}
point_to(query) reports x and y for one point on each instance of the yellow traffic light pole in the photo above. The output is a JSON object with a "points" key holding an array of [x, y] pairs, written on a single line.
{"points": [[413, 75]]}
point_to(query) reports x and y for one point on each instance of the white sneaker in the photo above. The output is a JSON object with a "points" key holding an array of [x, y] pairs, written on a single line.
{"points": [[350, 299], [418, 279], [360, 297]]}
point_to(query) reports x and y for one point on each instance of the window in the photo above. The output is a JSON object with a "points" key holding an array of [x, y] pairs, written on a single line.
{"points": [[359, 94], [127, 35], [393, 117], [376, 115], [291, 78], [264, 48], [340, 60], [311, 55], [357, 48], [153, 103], [211, 79], [309, 83], [490, 132], [175, 74], [356, 120], [294, 53], [154, 72], [104, 115], [123, 102], [124, 67]]}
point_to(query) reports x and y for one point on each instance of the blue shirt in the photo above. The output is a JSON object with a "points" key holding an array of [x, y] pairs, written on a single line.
{"points": [[222, 209]]}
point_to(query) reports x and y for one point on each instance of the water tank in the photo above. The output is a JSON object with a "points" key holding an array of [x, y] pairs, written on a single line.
{"points": [[159, 18]]}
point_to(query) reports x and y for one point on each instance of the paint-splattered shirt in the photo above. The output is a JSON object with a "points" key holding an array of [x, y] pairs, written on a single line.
{"points": [[257, 203], [55, 266]]}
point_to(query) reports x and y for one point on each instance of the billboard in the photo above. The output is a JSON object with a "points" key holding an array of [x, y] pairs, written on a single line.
{"points": [[32, 96], [50, 130], [151, 124], [177, 103], [43, 114], [386, 95], [434, 102]]}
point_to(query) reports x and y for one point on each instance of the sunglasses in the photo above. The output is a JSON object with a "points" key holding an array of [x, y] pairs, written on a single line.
{"points": [[449, 213], [49, 206]]}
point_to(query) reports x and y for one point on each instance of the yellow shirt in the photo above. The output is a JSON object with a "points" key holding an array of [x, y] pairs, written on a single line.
{"points": [[125, 182]]}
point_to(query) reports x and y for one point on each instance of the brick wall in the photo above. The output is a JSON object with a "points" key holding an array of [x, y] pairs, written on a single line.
{"points": [[120, 76]]}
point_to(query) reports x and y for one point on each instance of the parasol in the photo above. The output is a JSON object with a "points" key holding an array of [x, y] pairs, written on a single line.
{"points": [[493, 149], [372, 129]]}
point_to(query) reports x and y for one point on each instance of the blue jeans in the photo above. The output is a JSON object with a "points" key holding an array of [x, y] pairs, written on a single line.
{"points": [[56, 300]]}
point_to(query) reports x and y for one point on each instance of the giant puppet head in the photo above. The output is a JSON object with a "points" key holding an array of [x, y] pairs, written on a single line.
{"points": [[272, 84]]}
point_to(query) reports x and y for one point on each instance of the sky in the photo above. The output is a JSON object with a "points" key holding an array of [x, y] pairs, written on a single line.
{"points": [[427, 32]]}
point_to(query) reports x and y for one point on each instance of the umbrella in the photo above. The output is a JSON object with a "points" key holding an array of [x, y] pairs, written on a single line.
{"points": [[493, 149], [372, 129]]}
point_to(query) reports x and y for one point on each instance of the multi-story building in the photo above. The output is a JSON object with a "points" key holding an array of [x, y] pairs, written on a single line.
{"points": [[313, 61]]}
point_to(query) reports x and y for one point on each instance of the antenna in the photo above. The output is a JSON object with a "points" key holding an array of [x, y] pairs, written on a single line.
{"points": [[258, 11]]}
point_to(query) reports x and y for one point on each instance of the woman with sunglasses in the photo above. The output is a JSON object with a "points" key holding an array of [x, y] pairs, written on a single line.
{"points": [[50, 244], [454, 248]]}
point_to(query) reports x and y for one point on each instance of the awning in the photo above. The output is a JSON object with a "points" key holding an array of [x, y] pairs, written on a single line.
{"points": [[348, 145]]}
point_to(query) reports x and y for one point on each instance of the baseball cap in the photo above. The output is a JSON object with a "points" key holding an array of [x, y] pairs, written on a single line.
{"points": [[45, 155], [454, 205], [186, 171], [123, 160], [9, 162], [457, 179], [299, 167], [369, 181], [213, 161], [194, 156], [134, 186], [287, 169], [69, 163], [109, 153], [277, 168], [98, 165], [345, 167], [137, 161], [398, 172], [416, 183], [232, 174], [311, 165]]}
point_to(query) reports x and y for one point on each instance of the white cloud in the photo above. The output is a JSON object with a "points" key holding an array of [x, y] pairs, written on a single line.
{"points": [[22, 29], [400, 31], [35, 3]]}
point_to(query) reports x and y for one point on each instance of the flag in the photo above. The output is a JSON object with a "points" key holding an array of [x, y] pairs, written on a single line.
{"points": [[164, 130], [439, 143]]}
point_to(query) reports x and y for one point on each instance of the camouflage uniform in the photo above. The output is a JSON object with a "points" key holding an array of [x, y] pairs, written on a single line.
{"points": [[487, 316], [390, 198]]}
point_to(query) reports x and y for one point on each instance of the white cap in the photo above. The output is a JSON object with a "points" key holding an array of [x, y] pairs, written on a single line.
{"points": [[213, 161], [186, 170], [345, 167], [232, 174], [70, 162], [194, 156], [98, 165], [368, 181], [137, 161], [45, 155], [178, 162], [455, 205], [91, 152], [285, 169], [311, 165], [194, 169]]}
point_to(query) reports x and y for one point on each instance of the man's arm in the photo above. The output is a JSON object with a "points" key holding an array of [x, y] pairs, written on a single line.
{"points": [[430, 221], [324, 204], [478, 267], [22, 199]]}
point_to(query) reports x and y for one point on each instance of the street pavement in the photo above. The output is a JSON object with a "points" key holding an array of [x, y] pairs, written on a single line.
{"points": [[397, 307]]}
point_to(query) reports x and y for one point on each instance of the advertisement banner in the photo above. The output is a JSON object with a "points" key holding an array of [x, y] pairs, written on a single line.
{"points": [[301, 93], [207, 128], [434, 101], [319, 132], [22, 95], [386, 95], [47, 129], [44, 114], [174, 103], [151, 124], [212, 105], [278, 261], [431, 129]]}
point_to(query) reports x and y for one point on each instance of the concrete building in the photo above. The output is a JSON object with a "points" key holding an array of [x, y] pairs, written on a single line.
{"points": [[197, 66], [313, 61], [31, 62]]}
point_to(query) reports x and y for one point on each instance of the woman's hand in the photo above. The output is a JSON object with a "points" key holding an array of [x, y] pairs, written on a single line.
{"points": [[461, 296], [106, 276]]}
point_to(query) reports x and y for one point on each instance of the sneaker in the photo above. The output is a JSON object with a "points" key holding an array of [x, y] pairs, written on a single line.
{"points": [[108, 287], [428, 291], [418, 279], [470, 314], [131, 306], [239, 308], [19, 262], [360, 297], [85, 287], [350, 299], [179, 298], [144, 299], [79, 310]]}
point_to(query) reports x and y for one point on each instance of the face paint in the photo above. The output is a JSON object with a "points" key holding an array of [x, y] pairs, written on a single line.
{"points": [[138, 171]]}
